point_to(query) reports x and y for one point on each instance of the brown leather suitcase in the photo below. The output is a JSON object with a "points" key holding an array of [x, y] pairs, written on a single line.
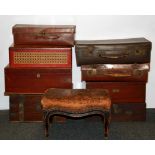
{"points": [[57, 35], [36, 80], [119, 51], [40, 56], [122, 92], [115, 72]]}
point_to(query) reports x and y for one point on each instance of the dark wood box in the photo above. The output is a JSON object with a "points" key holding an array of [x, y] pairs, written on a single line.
{"points": [[129, 112], [119, 51], [115, 72], [25, 108], [33, 56], [36, 80], [128, 99], [57, 35]]}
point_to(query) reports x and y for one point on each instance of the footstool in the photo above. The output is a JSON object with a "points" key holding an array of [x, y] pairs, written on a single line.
{"points": [[76, 103]]}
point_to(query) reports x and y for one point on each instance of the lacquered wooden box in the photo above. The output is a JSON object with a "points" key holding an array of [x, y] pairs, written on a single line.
{"points": [[40, 56], [128, 99], [36, 80]]}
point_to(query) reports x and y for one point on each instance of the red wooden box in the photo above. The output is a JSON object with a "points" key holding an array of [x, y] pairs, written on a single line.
{"points": [[36, 80], [20, 56], [122, 92]]}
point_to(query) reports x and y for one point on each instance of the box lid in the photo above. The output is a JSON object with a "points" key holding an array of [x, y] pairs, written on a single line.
{"points": [[26, 28], [112, 41]]}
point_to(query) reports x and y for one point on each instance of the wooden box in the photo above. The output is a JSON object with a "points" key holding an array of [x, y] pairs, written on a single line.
{"points": [[26, 56], [25, 108], [128, 99], [36, 80], [122, 92], [129, 112]]}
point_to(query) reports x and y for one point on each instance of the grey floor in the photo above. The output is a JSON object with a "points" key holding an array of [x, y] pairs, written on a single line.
{"points": [[78, 130]]}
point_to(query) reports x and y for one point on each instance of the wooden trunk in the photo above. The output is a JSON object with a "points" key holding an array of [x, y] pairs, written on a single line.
{"points": [[36, 80], [128, 99], [27, 108], [129, 112], [122, 92]]}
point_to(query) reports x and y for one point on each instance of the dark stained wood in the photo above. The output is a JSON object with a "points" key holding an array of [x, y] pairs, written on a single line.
{"points": [[128, 99], [129, 112], [76, 103], [36, 80], [31, 110]]}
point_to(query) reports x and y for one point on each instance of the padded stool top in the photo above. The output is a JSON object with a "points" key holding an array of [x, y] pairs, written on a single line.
{"points": [[76, 100]]}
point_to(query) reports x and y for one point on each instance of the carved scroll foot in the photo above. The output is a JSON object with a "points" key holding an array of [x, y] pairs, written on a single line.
{"points": [[106, 124]]}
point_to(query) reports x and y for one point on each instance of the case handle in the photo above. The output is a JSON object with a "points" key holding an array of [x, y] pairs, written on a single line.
{"points": [[93, 72], [46, 36], [117, 75], [111, 56]]}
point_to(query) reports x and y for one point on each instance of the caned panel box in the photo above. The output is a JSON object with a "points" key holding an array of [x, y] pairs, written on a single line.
{"points": [[25, 56], [36, 80], [56, 35]]}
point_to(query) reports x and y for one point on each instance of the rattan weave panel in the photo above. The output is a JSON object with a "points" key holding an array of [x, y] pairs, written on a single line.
{"points": [[40, 57]]}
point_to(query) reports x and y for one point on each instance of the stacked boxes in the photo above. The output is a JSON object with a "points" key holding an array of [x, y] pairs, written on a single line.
{"points": [[40, 58], [120, 67]]}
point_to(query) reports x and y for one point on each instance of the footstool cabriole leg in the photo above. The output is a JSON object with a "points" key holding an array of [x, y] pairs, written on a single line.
{"points": [[107, 118], [46, 122]]}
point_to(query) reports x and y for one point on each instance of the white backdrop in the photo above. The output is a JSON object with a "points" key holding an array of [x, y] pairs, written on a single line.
{"points": [[87, 27]]}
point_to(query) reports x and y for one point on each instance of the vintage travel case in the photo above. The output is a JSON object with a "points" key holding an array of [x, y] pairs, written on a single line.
{"points": [[57, 35], [40, 56], [115, 72], [119, 51], [36, 80]]}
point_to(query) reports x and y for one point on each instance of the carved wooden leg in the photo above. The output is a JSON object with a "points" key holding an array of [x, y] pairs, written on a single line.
{"points": [[46, 122], [107, 118]]}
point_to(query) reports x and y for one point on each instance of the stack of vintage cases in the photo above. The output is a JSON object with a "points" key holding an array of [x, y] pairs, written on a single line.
{"points": [[40, 58], [120, 67]]}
